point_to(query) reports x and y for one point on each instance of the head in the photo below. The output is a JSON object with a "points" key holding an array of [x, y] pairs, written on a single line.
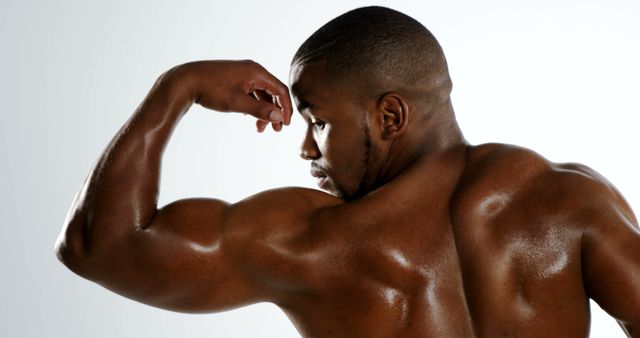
{"points": [[373, 87]]}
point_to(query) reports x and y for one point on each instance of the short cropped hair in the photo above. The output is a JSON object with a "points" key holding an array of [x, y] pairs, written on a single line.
{"points": [[378, 50]]}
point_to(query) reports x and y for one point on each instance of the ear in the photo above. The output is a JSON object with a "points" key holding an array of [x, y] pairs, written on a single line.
{"points": [[393, 112]]}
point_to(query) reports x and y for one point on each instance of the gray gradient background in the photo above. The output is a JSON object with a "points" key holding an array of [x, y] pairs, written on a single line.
{"points": [[561, 77]]}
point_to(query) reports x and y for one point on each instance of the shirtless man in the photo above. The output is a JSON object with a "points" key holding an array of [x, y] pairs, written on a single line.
{"points": [[423, 234]]}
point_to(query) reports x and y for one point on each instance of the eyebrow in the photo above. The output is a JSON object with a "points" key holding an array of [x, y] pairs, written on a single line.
{"points": [[303, 105]]}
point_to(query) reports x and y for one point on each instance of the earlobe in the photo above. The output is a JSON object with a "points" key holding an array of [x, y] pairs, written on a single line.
{"points": [[394, 112]]}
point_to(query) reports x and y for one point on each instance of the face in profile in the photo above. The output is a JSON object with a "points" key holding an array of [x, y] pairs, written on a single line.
{"points": [[337, 139]]}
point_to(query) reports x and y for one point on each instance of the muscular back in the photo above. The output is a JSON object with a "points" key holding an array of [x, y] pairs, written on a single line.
{"points": [[493, 247]]}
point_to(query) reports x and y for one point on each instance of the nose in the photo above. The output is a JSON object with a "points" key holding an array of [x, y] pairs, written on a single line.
{"points": [[309, 149]]}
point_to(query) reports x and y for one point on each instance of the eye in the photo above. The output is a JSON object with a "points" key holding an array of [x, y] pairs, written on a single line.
{"points": [[318, 124]]}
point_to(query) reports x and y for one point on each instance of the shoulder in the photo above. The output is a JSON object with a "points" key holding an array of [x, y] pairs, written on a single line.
{"points": [[266, 235], [598, 206], [508, 167], [277, 211], [497, 171], [303, 198], [502, 178], [490, 157]]}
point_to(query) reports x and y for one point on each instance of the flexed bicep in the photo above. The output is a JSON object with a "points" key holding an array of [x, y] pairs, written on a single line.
{"points": [[179, 262], [204, 255]]}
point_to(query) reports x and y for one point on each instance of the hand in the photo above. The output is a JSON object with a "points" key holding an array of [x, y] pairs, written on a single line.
{"points": [[239, 86]]}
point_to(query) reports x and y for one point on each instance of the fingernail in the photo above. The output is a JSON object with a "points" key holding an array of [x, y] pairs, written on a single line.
{"points": [[275, 116]]}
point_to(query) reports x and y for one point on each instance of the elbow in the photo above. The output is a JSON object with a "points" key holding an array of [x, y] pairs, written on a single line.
{"points": [[78, 249], [70, 248], [63, 254], [59, 249], [69, 253], [72, 255]]}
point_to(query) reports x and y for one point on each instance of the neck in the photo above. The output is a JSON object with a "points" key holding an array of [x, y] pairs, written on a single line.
{"points": [[438, 136]]}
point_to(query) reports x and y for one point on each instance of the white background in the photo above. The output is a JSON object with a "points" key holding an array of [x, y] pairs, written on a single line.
{"points": [[560, 77]]}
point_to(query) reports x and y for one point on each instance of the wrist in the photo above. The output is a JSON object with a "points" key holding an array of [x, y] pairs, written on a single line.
{"points": [[179, 83]]}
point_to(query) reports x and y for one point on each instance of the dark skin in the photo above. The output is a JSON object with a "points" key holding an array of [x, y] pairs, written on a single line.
{"points": [[423, 235]]}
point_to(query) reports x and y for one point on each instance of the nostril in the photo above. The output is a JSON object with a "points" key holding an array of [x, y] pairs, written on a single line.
{"points": [[304, 155]]}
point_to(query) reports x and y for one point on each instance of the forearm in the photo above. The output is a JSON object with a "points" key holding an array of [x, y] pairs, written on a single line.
{"points": [[119, 197]]}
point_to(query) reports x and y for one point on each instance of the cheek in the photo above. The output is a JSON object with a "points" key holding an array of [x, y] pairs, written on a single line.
{"points": [[330, 144], [322, 137], [343, 154]]}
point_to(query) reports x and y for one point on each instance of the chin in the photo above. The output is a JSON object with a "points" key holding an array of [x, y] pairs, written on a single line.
{"points": [[335, 192], [342, 194], [332, 189]]}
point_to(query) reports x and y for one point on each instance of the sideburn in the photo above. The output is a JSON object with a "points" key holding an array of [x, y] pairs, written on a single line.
{"points": [[364, 184]]}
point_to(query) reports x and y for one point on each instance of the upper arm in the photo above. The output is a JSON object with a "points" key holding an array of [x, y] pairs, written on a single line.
{"points": [[611, 252], [203, 255]]}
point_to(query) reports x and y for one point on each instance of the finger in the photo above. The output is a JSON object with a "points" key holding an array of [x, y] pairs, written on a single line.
{"points": [[266, 95], [262, 95], [263, 110], [261, 125], [270, 84], [276, 101]]}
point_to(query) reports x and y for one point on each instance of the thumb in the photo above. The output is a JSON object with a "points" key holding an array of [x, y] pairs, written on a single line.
{"points": [[264, 110]]}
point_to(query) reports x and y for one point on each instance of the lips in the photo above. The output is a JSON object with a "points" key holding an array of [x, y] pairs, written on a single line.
{"points": [[317, 173], [320, 175]]}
